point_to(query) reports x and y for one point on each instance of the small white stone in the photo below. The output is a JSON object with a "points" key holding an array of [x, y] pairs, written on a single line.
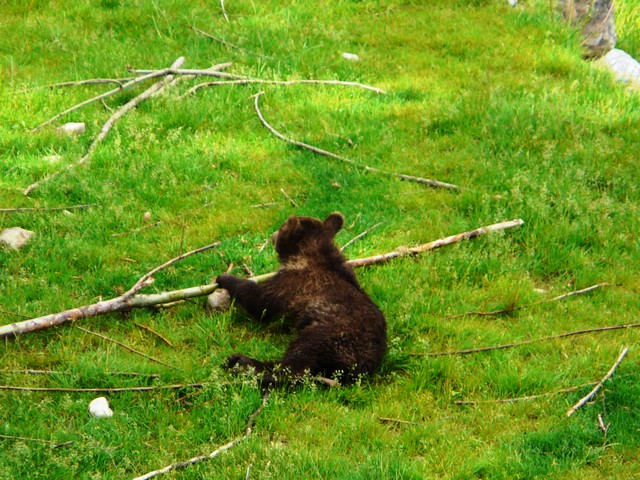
{"points": [[52, 158], [147, 216], [99, 408], [73, 128], [624, 66], [15, 237], [351, 56]]}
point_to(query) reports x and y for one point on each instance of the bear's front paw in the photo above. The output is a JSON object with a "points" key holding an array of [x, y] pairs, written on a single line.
{"points": [[237, 360], [225, 280]]}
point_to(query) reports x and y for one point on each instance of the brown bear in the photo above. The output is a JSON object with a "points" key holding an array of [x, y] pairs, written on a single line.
{"points": [[340, 331]]}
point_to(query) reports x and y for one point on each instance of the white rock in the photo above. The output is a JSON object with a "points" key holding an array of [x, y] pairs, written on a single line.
{"points": [[351, 56], [624, 66], [15, 237], [52, 158], [513, 3], [73, 128], [99, 407]]}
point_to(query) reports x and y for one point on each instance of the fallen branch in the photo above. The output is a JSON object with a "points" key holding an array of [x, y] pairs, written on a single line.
{"points": [[59, 372], [126, 347], [91, 81], [528, 342], [520, 307], [526, 398], [39, 440], [125, 303], [248, 429], [359, 236], [432, 183], [598, 386], [151, 330], [106, 128], [101, 390], [247, 81], [43, 209]]}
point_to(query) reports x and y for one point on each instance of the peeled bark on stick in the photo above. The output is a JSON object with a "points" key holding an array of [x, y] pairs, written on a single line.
{"points": [[132, 299]]}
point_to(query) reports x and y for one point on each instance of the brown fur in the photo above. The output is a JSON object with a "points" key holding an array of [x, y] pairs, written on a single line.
{"points": [[339, 329]]}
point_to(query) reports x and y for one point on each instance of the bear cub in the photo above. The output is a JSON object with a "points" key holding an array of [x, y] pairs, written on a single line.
{"points": [[340, 331]]}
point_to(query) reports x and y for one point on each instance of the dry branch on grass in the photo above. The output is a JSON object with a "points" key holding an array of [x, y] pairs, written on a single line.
{"points": [[248, 81], [525, 398], [520, 307], [468, 351], [101, 389], [598, 386], [247, 432], [43, 209], [132, 299], [106, 128], [306, 146], [124, 302]]}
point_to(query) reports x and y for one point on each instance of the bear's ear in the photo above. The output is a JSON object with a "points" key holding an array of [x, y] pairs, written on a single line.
{"points": [[334, 222]]}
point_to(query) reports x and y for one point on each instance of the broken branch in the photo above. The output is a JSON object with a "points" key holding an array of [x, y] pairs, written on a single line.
{"points": [[126, 303], [106, 128], [248, 429], [598, 386], [432, 183]]}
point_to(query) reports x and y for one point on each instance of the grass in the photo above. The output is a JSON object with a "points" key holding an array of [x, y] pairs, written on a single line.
{"points": [[494, 99]]}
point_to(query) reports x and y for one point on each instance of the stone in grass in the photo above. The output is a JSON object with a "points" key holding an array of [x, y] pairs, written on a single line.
{"points": [[15, 237], [99, 407], [218, 301], [624, 67], [72, 128]]}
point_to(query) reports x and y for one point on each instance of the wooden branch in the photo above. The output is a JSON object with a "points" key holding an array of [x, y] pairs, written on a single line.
{"points": [[468, 351], [58, 372], [247, 81], [91, 81], [215, 453], [127, 347], [151, 330], [526, 398], [520, 307], [101, 390], [224, 12], [147, 279], [598, 386], [432, 183], [121, 304], [43, 209], [358, 237], [106, 128]]}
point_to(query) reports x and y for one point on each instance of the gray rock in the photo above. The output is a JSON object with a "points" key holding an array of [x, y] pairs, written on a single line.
{"points": [[15, 237], [624, 66], [595, 18]]}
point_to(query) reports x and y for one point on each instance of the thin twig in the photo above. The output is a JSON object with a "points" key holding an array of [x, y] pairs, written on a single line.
{"points": [[106, 128], [43, 209], [526, 398], [58, 372], [28, 439], [215, 453], [15, 314], [147, 279], [101, 390], [468, 351], [121, 304], [91, 81], [247, 81], [395, 420], [520, 307], [127, 347], [426, 181], [358, 237], [149, 329], [224, 12], [598, 386], [291, 200]]}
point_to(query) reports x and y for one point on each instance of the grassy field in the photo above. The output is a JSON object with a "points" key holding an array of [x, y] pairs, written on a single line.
{"points": [[493, 99]]}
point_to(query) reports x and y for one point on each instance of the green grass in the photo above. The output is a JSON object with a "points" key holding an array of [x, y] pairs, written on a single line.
{"points": [[494, 99]]}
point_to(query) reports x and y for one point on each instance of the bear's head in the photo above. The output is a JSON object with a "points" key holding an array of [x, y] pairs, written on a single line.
{"points": [[306, 235]]}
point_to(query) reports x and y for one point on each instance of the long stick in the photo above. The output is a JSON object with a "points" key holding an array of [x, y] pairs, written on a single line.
{"points": [[248, 429], [126, 303], [427, 181], [609, 374], [469, 351]]}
